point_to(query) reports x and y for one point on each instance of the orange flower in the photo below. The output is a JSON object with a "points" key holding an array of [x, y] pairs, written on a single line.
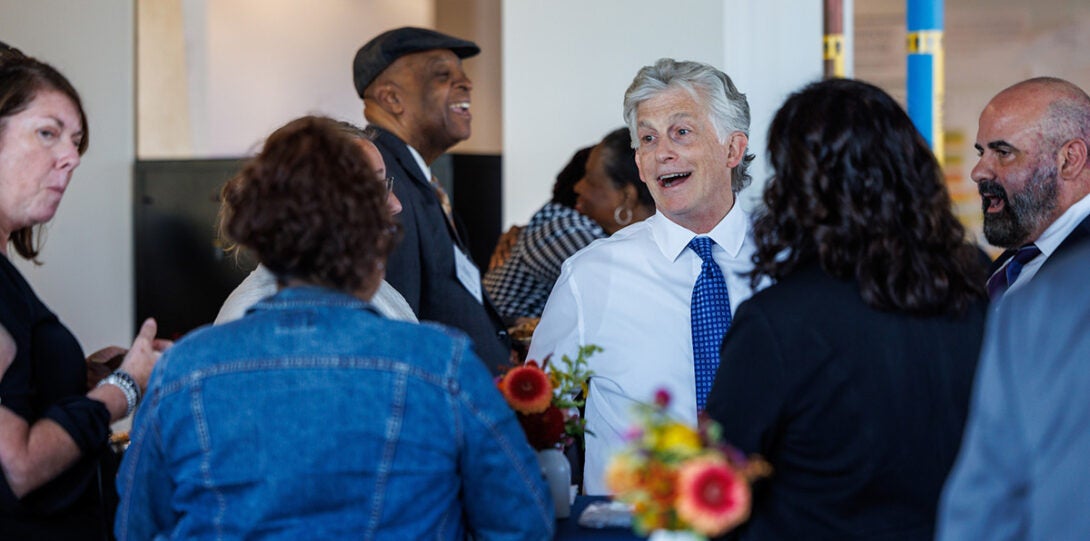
{"points": [[527, 389], [711, 496], [623, 474]]}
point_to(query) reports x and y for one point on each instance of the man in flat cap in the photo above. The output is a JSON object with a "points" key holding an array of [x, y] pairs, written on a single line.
{"points": [[417, 96]]}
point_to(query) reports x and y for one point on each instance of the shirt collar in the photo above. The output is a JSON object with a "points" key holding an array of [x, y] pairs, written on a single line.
{"points": [[310, 295], [420, 162], [672, 239], [1055, 234]]}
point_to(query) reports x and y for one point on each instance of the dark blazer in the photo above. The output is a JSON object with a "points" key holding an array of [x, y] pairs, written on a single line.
{"points": [[1074, 238], [860, 412], [422, 266]]}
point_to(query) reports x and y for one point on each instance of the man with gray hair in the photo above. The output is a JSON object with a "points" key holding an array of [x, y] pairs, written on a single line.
{"points": [[657, 295], [1033, 176]]}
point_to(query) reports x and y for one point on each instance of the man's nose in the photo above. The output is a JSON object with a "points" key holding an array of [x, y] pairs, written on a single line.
{"points": [[464, 82], [664, 150], [981, 171]]}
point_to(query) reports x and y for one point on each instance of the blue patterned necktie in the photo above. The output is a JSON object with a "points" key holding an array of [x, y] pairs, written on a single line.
{"points": [[710, 318], [1005, 277]]}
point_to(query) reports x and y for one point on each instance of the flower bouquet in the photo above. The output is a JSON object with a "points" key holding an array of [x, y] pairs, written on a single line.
{"points": [[679, 478], [546, 399]]}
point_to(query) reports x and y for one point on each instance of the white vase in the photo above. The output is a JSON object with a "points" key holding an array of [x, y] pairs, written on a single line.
{"points": [[557, 471], [674, 535]]}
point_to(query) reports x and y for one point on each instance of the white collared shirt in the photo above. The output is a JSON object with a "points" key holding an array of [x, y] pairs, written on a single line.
{"points": [[1051, 239], [630, 294], [420, 162], [261, 283]]}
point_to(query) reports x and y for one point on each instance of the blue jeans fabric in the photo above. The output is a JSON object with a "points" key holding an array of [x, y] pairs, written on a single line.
{"points": [[313, 417]]}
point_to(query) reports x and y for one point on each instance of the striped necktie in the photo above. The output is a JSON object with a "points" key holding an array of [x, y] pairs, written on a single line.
{"points": [[448, 211], [1005, 277]]}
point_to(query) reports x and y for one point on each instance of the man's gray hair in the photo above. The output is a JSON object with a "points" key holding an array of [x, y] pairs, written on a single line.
{"points": [[1067, 116], [728, 109]]}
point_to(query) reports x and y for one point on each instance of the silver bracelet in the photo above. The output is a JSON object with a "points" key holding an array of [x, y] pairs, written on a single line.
{"points": [[122, 380]]}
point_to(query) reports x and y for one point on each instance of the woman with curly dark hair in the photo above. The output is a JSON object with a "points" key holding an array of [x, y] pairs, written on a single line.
{"points": [[313, 416], [852, 373]]}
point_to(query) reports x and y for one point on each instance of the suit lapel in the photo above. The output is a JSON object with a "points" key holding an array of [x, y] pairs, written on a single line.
{"points": [[409, 164], [401, 153], [405, 159], [1001, 260]]}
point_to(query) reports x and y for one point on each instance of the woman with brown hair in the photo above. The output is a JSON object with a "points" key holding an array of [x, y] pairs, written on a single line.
{"points": [[57, 480], [313, 416]]}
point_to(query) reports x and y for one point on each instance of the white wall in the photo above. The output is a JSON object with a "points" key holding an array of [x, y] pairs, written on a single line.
{"points": [[479, 21], [87, 273], [567, 64], [263, 62], [771, 49], [215, 77]]}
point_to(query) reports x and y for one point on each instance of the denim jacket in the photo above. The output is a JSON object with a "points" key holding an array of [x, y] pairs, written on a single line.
{"points": [[313, 417]]}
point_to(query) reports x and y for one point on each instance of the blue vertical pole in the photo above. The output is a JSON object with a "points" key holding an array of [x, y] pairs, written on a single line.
{"points": [[925, 80]]}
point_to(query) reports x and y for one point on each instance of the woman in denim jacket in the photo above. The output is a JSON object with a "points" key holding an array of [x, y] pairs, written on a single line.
{"points": [[313, 417]]}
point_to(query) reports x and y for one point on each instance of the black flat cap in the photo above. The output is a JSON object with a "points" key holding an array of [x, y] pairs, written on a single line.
{"points": [[377, 54]]}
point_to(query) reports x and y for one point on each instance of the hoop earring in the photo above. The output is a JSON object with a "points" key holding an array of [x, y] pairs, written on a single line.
{"points": [[627, 215]]}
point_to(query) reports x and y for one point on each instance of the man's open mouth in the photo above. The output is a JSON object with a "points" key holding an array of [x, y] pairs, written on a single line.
{"points": [[670, 179], [993, 197], [993, 203]]}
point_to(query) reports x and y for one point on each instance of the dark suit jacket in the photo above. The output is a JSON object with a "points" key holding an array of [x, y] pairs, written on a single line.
{"points": [[422, 266], [1074, 238], [860, 412]]}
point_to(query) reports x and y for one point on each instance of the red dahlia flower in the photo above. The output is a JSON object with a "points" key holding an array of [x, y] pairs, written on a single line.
{"points": [[543, 430], [527, 389], [711, 496]]}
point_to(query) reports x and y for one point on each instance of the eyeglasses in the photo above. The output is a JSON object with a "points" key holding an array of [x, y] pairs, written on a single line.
{"points": [[389, 185]]}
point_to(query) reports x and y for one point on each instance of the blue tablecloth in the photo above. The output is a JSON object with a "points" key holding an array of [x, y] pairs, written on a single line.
{"points": [[568, 529]]}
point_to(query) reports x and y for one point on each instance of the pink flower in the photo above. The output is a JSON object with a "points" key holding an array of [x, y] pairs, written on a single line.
{"points": [[662, 398], [711, 496]]}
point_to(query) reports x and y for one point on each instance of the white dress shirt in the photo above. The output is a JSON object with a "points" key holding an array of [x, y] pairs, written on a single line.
{"points": [[1051, 239], [261, 283], [630, 294], [420, 162]]}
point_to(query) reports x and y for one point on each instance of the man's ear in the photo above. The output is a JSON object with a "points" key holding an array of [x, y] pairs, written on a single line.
{"points": [[1072, 159], [388, 97], [736, 148]]}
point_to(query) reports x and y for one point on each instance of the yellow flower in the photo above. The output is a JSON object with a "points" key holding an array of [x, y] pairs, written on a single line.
{"points": [[677, 477], [679, 439]]}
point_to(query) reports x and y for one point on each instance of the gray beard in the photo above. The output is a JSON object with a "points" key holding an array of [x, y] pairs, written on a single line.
{"points": [[1023, 213]]}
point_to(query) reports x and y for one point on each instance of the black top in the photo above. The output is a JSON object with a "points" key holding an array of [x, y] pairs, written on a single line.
{"points": [[422, 265], [48, 379], [860, 412]]}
